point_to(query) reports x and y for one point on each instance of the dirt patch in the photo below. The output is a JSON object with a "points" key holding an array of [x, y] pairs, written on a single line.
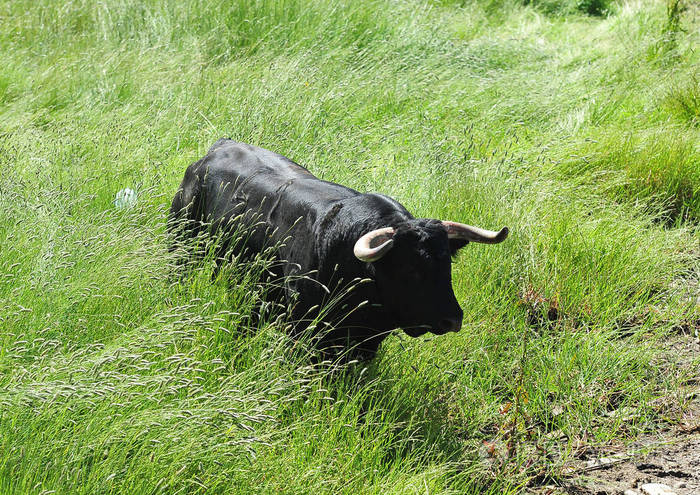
{"points": [[670, 457], [673, 460]]}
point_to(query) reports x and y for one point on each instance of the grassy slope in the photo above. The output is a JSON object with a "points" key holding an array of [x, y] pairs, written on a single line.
{"points": [[580, 133]]}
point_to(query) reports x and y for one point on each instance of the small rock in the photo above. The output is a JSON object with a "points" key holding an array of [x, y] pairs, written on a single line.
{"points": [[624, 413], [679, 484], [603, 462], [657, 489], [568, 471], [631, 492], [126, 198], [555, 435]]}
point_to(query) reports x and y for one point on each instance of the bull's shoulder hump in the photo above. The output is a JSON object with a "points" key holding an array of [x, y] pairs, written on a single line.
{"points": [[383, 203]]}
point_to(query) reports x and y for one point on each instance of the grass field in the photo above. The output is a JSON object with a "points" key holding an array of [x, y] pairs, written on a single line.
{"points": [[574, 122]]}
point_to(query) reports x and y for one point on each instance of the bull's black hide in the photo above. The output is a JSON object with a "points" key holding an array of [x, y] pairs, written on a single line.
{"points": [[404, 262]]}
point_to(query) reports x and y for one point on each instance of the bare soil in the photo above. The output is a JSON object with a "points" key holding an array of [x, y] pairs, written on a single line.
{"points": [[671, 457], [673, 460]]}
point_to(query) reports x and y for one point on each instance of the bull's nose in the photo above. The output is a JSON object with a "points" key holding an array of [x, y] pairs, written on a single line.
{"points": [[450, 324]]}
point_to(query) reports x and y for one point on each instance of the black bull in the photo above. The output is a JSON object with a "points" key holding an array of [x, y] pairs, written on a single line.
{"points": [[335, 235]]}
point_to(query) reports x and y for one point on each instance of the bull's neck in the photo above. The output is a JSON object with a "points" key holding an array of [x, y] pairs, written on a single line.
{"points": [[336, 231]]}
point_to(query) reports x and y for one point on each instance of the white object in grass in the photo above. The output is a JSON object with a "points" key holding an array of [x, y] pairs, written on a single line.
{"points": [[126, 198]]}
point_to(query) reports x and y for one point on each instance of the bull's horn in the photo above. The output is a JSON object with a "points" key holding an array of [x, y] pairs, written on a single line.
{"points": [[374, 244], [474, 234]]}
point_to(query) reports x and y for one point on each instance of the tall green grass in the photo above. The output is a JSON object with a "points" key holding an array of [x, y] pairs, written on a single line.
{"points": [[577, 131]]}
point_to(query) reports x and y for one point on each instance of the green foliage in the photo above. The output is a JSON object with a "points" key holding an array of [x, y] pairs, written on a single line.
{"points": [[122, 373], [564, 7], [552, 7], [657, 168], [683, 100], [666, 48], [672, 28]]}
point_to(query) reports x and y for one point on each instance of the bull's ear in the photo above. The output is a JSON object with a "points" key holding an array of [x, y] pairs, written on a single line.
{"points": [[456, 245]]}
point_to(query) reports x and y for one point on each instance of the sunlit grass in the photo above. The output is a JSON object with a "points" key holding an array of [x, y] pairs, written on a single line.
{"points": [[120, 373]]}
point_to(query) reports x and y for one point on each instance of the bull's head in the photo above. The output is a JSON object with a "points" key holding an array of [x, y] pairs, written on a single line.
{"points": [[411, 264]]}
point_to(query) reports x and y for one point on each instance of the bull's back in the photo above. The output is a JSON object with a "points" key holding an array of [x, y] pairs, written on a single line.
{"points": [[237, 183], [240, 166], [244, 176]]}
